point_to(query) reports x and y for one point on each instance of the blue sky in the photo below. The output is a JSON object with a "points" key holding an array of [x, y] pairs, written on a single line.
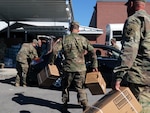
{"points": [[83, 10]]}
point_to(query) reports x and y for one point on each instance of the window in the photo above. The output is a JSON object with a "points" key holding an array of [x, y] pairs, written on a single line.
{"points": [[117, 35]]}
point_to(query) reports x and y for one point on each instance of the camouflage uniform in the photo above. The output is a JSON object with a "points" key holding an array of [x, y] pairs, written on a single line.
{"points": [[24, 56], [135, 60], [74, 47]]}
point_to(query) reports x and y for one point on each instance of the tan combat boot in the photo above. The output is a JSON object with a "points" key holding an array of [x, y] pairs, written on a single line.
{"points": [[17, 84]]}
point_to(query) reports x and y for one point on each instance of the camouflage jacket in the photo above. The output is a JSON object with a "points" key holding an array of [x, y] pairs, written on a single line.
{"points": [[74, 47], [135, 60], [27, 52]]}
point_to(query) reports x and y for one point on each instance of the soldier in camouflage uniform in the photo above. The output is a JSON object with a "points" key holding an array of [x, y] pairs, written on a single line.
{"points": [[24, 56], [74, 47], [135, 60]]}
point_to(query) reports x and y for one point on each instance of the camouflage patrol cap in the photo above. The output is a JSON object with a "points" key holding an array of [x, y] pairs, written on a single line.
{"points": [[134, 1]]}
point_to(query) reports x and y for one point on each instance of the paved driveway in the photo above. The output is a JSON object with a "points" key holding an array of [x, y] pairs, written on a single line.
{"points": [[34, 99]]}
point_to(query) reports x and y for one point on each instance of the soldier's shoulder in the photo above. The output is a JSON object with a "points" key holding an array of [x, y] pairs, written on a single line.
{"points": [[25, 44], [68, 36], [131, 26], [80, 37], [133, 21], [132, 18], [136, 18]]}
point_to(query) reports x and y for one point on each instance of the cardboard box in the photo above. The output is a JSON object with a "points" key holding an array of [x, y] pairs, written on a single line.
{"points": [[48, 75], [95, 82], [122, 101]]}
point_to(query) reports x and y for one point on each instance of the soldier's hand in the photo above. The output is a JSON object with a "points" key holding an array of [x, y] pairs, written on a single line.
{"points": [[95, 69], [117, 85]]}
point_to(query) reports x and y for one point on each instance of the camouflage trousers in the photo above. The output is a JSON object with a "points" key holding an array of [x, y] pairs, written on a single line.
{"points": [[77, 79], [142, 93], [22, 70]]}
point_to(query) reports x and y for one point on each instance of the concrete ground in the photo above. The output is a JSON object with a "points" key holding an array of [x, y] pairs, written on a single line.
{"points": [[34, 99]]}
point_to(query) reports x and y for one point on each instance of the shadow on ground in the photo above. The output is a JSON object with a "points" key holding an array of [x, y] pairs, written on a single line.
{"points": [[11, 81], [24, 100], [8, 81], [24, 111]]}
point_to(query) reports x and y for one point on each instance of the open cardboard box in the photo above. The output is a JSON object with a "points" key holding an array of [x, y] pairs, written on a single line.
{"points": [[48, 75], [95, 82]]}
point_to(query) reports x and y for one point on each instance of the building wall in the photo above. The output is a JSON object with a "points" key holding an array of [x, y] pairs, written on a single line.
{"points": [[107, 12]]}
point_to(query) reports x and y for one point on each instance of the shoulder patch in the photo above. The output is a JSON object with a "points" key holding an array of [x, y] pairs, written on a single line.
{"points": [[131, 29], [132, 26]]}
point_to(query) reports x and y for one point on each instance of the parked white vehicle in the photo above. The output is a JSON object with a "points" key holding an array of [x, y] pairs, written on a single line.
{"points": [[114, 31]]}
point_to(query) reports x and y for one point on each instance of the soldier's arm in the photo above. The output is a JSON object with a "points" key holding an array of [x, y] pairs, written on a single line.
{"points": [[55, 50], [87, 45], [32, 52], [131, 37], [35, 53]]}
